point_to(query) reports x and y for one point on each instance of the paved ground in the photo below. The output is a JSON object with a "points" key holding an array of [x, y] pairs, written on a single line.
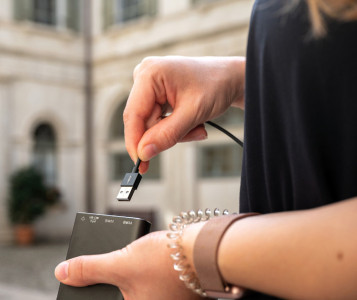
{"points": [[27, 272]]}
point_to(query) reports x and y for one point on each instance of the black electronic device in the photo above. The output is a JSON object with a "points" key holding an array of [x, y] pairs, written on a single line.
{"points": [[98, 234]]}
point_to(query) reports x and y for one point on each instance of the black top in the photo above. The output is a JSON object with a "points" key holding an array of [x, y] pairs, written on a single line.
{"points": [[300, 146]]}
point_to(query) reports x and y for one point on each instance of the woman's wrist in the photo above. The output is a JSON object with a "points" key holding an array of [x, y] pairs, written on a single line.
{"points": [[239, 74], [188, 241], [185, 267], [195, 254]]}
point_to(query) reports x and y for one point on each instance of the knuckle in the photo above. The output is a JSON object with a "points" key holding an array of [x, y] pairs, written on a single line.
{"points": [[82, 273], [126, 116], [146, 63], [149, 60], [124, 251], [78, 270], [169, 136], [136, 70], [149, 67]]}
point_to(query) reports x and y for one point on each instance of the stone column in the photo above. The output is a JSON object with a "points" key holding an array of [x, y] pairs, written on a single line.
{"points": [[97, 17], [6, 11], [61, 14], [5, 229]]}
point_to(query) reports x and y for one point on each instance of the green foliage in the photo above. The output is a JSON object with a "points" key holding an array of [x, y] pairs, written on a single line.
{"points": [[28, 196]]}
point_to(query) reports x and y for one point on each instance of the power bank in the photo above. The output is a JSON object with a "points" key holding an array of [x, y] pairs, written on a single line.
{"points": [[97, 234]]}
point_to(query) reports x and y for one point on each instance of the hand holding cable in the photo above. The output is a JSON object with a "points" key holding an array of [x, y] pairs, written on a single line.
{"points": [[197, 89]]}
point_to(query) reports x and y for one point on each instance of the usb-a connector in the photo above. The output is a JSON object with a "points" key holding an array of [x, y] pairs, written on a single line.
{"points": [[129, 184], [125, 193]]}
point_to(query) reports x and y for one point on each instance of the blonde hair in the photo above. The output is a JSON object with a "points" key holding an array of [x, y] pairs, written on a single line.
{"points": [[343, 10]]}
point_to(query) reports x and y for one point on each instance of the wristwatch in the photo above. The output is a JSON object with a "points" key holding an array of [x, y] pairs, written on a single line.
{"points": [[205, 258]]}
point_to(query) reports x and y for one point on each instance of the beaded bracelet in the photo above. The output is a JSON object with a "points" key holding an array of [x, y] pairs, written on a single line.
{"points": [[178, 224]]}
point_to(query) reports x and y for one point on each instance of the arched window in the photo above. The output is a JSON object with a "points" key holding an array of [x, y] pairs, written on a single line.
{"points": [[119, 160], [45, 152]]}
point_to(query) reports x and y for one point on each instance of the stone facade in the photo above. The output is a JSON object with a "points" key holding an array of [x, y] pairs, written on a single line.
{"points": [[42, 80]]}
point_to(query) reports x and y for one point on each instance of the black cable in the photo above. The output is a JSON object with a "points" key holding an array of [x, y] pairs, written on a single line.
{"points": [[215, 125], [136, 167], [233, 137]]}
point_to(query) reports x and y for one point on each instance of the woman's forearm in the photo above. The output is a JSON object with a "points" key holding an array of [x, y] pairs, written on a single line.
{"points": [[310, 254]]}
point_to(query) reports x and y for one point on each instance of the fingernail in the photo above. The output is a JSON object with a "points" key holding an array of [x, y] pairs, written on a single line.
{"points": [[62, 271], [149, 151]]}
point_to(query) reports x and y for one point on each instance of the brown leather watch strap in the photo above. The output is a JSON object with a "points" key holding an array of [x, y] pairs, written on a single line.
{"points": [[205, 257]]}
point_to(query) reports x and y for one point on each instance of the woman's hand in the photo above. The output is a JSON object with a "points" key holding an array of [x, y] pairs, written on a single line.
{"points": [[143, 270], [196, 89]]}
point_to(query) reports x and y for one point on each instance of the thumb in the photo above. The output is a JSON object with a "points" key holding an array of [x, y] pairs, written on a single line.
{"points": [[88, 270], [168, 132]]}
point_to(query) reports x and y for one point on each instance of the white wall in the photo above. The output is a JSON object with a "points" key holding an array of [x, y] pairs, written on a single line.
{"points": [[41, 79]]}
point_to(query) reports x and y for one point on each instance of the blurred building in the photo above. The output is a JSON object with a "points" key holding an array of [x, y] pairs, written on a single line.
{"points": [[65, 74]]}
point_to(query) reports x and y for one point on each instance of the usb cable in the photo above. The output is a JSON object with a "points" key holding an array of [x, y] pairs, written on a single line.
{"points": [[131, 180]]}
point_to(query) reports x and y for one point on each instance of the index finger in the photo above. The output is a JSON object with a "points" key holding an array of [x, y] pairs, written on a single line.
{"points": [[143, 110]]}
